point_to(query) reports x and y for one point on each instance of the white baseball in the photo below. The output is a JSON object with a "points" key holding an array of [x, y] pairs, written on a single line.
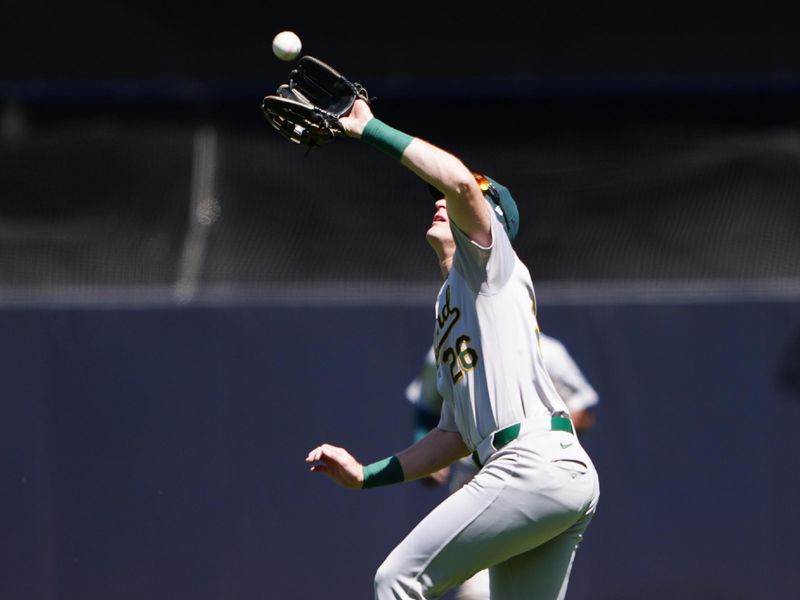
{"points": [[286, 45]]}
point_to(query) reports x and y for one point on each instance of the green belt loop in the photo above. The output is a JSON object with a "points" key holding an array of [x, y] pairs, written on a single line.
{"points": [[502, 437], [561, 422], [499, 439]]}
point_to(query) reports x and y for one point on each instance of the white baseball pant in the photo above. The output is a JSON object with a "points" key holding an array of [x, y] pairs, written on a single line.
{"points": [[522, 516]]}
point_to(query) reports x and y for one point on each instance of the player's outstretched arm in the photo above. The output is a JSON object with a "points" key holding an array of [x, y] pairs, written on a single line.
{"points": [[434, 451], [466, 205]]}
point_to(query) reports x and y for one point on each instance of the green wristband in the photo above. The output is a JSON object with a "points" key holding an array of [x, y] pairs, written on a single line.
{"points": [[383, 472], [385, 138]]}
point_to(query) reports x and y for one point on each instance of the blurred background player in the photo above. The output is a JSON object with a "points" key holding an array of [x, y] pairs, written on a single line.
{"points": [[578, 394]]}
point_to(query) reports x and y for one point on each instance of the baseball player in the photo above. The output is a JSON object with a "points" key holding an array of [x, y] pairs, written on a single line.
{"points": [[578, 394], [523, 515]]}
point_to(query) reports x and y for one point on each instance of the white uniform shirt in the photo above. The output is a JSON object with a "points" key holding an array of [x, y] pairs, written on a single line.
{"points": [[576, 391], [571, 384], [490, 371]]}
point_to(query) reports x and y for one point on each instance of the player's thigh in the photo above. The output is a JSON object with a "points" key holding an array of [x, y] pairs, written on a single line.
{"points": [[435, 556], [543, 572], [502, 512]]}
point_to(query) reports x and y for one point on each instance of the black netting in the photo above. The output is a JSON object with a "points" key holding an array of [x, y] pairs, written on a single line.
{"points": [[92, 204], [96, 205]]}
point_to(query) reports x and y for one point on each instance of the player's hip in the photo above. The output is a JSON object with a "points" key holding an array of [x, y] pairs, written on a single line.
{"points": [[551, 438]]}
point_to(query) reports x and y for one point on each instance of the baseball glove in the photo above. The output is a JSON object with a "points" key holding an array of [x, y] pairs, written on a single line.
{"points": [[307, 109]]}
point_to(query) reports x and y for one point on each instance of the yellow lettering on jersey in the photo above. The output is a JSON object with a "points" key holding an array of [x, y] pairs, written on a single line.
{"points": [[445, 320]]}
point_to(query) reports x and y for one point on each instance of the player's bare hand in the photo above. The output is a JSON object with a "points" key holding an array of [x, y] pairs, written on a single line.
{"points": [[338, 464], [356, 119], [583, 420]]}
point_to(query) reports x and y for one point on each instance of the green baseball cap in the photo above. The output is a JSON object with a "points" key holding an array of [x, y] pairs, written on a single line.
{"points": [[501, 200]]}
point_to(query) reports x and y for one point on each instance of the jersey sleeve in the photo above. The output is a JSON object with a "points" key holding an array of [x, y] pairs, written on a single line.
{"points": [[485, 269], [571, 384]]}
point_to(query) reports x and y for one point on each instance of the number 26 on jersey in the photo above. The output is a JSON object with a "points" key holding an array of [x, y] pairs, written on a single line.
{"points": [[460, 359]]}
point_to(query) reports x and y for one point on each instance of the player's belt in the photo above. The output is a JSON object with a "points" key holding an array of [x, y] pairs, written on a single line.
{"points": [[560, 421]]}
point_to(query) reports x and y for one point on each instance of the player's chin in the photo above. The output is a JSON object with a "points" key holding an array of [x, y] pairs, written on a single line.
{"points": [[434, 236], [439, 230], [441, 240]]}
